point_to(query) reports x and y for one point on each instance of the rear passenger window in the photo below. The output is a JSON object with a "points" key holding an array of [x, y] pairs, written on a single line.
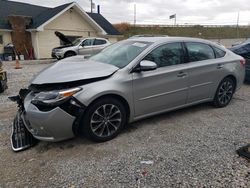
{"points": [[167, 55], [219, 53], [99, 42], [199, 51], [87, 42]]}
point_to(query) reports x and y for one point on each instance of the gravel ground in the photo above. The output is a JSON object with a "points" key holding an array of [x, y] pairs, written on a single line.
{"points": [[193, 147]]}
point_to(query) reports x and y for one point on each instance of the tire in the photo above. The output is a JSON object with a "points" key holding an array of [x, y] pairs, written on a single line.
{"points": [[69, 54], [1, 87], [224, 93], [99, 127]]}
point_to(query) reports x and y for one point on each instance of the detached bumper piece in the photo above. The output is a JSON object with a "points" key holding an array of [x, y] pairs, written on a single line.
{"points": [[21, 138], [244, 151]]}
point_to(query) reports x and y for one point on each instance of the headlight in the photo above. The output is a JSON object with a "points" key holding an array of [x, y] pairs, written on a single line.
{"points": [[58, 50], [52, 98]]}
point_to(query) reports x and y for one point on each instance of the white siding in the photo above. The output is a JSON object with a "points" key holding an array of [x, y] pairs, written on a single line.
{"points": [[113, 39], [69, 23], [6, 39], [34, 38]]}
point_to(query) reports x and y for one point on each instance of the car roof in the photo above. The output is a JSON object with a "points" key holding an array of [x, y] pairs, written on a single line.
{"points": [[83, 38], [168, 39]]}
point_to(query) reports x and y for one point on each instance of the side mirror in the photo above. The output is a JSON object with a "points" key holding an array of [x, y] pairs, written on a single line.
{"points": [[146, 65]]}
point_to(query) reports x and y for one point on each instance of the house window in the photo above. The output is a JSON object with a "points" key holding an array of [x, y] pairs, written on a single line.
{"points": [[1, 39]]}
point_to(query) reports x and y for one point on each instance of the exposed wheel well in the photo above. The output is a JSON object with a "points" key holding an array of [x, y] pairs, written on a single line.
{"points": [[118, 97], [69, 52]]}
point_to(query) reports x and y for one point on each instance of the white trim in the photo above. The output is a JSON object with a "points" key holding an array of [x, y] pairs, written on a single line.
{"points": [[31, 30], [6, 30], [83, 13], [41, 27], [92, 21], [37, 46]]}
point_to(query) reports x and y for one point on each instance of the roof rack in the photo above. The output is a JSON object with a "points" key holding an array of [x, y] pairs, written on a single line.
{"points": [[148, 35]]}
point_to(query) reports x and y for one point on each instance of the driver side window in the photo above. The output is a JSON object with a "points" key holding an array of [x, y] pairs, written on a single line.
{"points": [[167, 55], [87, 42]]}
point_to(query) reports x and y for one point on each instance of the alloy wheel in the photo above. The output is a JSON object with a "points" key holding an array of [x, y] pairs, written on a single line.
{"points": [[225, 92], [106, 120]]}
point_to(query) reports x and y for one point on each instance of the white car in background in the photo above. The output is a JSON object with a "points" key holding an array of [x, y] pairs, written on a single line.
{"points": [[80, 46]]}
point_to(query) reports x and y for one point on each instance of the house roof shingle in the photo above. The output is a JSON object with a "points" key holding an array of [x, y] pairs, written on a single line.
{"points": [[105, 24], [47, 14], [41, 14]]}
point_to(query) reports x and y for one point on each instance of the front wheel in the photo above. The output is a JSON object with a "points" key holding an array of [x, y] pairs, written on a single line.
{"points": [[224, 93], [104, 119], [69, 54], [1, 87]]}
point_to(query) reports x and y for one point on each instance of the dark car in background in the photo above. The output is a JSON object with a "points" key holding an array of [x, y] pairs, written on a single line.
{"points": [[3, 78], [243, 50]]}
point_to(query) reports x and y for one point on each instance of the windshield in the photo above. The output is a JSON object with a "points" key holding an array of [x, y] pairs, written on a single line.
{"points": [[76, 42], [121, 53]]}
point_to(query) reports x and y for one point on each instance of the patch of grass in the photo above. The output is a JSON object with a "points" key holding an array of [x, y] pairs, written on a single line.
{"points": [[220, 32]]}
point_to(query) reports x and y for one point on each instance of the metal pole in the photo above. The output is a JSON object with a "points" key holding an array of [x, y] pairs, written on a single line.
{"points": [[91, 1], [238, 18], [175, 20], [134, 14]]}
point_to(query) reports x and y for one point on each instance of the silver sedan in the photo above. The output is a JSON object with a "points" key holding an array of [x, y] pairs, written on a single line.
{"points": [[128, 81]]}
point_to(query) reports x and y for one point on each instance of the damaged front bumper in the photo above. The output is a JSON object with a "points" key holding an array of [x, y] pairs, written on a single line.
{"points": [[57, 55], [21, 138], [47, 124]]}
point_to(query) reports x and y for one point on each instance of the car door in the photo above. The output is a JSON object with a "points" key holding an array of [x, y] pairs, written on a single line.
{"points": [[163, 88], [85, 47], [98, 45], [205, 71]]}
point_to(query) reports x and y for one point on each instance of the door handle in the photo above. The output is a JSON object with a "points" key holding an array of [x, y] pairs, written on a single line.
{"points": [[220, 66], [181, 74]]}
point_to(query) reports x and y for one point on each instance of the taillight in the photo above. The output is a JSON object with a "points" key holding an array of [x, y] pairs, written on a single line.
{"points": [[243, 62]]}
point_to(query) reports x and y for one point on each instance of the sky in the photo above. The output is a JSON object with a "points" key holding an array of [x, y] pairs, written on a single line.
{"points": [[204, 12]]}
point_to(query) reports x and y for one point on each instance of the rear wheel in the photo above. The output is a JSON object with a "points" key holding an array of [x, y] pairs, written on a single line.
{"points": [[69, 54], [224, 93], [104, 119]]}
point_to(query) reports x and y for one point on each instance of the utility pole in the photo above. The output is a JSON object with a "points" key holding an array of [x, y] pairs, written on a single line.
{"points": [[91, 6], [134, 14], [238, 18], [175, 20]]}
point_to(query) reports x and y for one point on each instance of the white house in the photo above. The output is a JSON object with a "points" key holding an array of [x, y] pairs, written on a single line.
{"points": [[69, 19]]}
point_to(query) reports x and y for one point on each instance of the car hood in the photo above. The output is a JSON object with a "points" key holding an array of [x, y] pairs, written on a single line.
{"points": [[62, 37], [74, 69], [64, 46]]}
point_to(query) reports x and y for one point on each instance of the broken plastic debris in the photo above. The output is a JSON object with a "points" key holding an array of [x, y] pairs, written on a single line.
{"points": [[244, 151], [144, 173], [147, 162]]}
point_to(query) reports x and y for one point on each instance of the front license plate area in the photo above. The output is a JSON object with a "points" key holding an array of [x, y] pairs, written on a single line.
{"points": [[21, 138]]}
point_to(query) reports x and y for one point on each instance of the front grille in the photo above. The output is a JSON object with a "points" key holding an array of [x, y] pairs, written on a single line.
{"points": [[21, 138]]}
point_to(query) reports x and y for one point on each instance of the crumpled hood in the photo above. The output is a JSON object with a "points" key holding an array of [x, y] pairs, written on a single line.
{"points": [[73, 69]]}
